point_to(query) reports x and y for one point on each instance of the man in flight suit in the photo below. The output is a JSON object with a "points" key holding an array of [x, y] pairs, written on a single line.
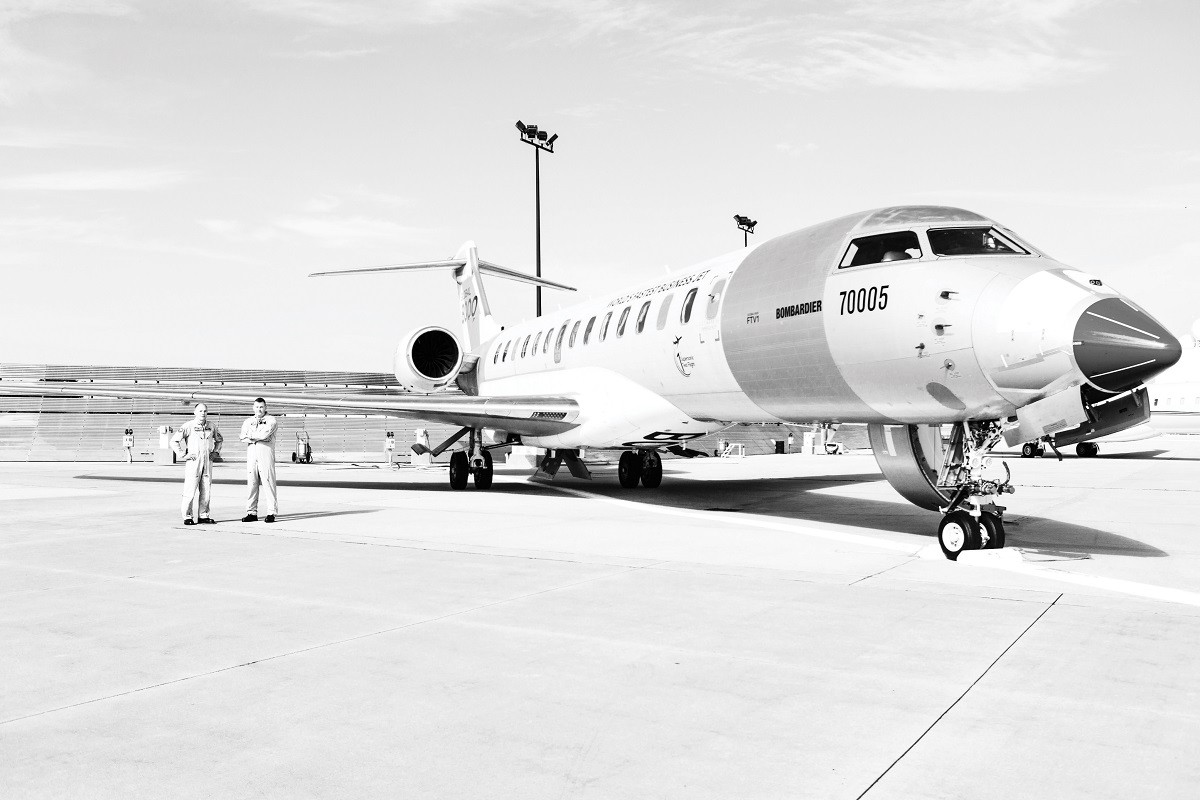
{"points": [[258, 433], [195, 443]]}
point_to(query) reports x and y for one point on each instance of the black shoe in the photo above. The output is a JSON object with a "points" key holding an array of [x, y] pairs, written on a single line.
{"points": [[270, 518], [250, 518], [207, 521], [188, 521]]}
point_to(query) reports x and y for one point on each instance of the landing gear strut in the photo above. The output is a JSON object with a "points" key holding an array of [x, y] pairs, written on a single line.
{"points": [[475, 462], [972, 520]]}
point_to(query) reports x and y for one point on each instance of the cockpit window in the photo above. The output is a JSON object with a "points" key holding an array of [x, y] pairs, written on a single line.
{"points": [[897, 246], [972, 242]]}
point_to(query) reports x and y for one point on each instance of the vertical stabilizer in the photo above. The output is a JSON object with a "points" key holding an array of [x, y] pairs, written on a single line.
{"points": [[478, 325]]}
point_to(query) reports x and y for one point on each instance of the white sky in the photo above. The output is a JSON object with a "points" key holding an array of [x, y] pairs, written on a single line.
{"points": [[171, 171]]}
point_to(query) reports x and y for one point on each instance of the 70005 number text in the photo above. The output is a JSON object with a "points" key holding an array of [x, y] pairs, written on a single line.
{"points": [[866, 299]]}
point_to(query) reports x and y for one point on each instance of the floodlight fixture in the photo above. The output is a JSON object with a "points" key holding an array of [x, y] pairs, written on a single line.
{"points": [[746, 225], [520, 126]]}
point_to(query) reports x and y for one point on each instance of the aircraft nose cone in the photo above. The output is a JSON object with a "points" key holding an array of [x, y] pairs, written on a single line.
{"points": [[1118, 347]]}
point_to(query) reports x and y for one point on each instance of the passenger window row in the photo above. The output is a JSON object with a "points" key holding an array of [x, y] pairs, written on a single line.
{"points": [[520, 348]]}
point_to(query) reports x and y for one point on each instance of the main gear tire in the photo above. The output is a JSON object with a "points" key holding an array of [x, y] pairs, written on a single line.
{"points": [[957, 533], [651, 469], [629, 469], [483, 475], [460, 470]]}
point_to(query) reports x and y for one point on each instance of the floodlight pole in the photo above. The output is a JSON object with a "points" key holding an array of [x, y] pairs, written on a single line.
{"points": [[540, 140], [537, 224]]}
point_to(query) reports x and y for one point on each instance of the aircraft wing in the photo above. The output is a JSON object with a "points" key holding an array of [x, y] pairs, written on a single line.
{"points": [[528, 416]]}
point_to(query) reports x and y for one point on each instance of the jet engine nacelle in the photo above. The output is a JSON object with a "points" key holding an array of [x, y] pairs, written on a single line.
{"points": [[428, 359]]}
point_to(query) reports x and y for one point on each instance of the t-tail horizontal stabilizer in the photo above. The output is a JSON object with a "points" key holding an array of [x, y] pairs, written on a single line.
{"points": [[478, 324]]}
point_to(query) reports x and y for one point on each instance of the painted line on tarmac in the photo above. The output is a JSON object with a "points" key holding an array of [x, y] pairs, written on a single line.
{"points": [[994, 559], [746, 521], [1012, 560]]}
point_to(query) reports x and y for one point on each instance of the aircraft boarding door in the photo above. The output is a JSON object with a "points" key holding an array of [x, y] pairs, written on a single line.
{"points": [[710, 325]]}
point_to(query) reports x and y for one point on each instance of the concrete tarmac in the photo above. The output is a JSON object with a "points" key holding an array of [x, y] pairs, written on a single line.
{"points": [[776, 627]]}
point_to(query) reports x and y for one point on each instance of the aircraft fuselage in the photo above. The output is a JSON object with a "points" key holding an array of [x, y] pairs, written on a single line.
{"points": [[902, 315]]}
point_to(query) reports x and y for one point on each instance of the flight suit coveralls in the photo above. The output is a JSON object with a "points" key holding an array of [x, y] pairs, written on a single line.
{"points": [[259, 436], [127, 443], [199, 440]]}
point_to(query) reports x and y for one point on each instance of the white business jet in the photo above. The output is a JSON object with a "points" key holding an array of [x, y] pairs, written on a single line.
{"points": [[940, 329]]}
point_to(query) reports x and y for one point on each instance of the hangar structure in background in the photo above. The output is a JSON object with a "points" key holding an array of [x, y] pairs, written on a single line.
{"points": [[89, 428]]}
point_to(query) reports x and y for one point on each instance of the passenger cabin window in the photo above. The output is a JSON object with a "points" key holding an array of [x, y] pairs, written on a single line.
{"points": [[524, 346], [546, 344], [663, 310], [714, 299], [621, 322], [972, 242], [604, 325], [574, 332], [496, 355], [898, 246], [642, 313], [558, 340], [536, 341], [506, 346], [685, 313], [587, 332]]}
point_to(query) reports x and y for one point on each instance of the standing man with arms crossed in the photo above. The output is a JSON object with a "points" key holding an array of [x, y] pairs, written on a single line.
{"points": [[258, 433], [195, 443]]}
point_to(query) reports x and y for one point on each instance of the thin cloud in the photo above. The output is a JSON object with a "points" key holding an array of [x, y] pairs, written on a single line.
{"points": [[980, 45], [112, 180], [348, 231], [23, 72], [796, 149], [44, 139], [108, 231], [331, 55]]}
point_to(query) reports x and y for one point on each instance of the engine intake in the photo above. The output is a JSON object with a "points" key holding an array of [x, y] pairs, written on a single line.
{"points": [[428, 359]]}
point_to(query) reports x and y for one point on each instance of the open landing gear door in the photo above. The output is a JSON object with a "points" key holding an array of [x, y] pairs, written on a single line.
{"points": [[910, 457]]}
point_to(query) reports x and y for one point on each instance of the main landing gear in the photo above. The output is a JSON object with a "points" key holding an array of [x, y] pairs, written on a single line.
{"points": [[643, 466], [972, 520], [474, 462]]}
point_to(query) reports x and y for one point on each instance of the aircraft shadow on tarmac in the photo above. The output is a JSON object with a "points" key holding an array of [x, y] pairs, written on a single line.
{"points": [[802, 499], [785, 498]]}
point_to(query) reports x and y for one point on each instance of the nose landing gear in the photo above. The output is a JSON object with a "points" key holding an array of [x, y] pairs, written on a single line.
{"points": [[972, 520]]}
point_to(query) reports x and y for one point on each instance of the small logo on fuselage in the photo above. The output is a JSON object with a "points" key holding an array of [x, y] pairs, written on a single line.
{"points": [[685, 364], [811, 307], [752, 318]]}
